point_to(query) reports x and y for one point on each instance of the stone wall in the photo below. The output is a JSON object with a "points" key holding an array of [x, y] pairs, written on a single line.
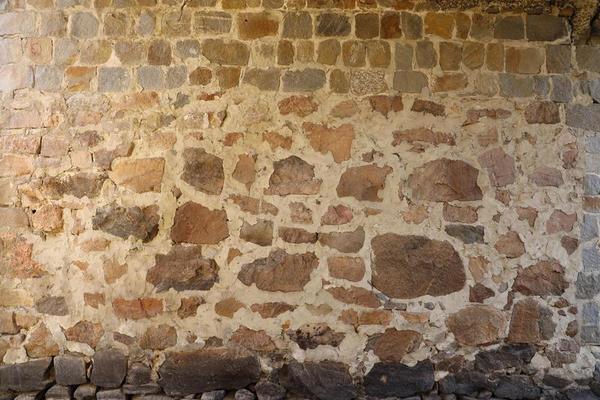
{"points": [[299, 199]]}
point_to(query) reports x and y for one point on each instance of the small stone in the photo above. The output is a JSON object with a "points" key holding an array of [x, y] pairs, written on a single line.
{"points": [[263, 79], [197, 224], [439, 24], [479, 293], [159, 337], [509, 27], [425, 54], [328, 51], [86, 332], [70, 370], [266, 390], [450, 56], [253, 340], [428, 107], [445, 180], [558, 58], [139, 175], [477, 325], [124, 222], [292, 175], [114, 394], [297, 235], [363, 183], [203, 170], [392, 345], [108, 368], [560, 221], [213, 395], [467, 215], [272, 310], [345, 242], [473, 55], [500, 167], [244, 394], [58, 392], [366, 25], [516, 85], [412, 25], [52, 305]]}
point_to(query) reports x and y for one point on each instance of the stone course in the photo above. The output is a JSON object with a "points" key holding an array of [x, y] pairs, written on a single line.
{"points": [[320, 199]]}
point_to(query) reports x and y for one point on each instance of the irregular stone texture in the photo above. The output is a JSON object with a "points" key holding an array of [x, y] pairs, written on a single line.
{"points": [[197, 224], [310, 336], [203, 171], [477, 325], [355, 295], [500, 167], [391, 379], [445, 180], [260, 233], [40, 343], [345, 242], [203, 370], [279, 271], [16, 258], [159, 337], [52, 305], [392, 345], [414, 266], [293, 175], [108, 368], [183, 268], [363, 183], [337, 141], [70, 370], [466, 233], [86, 332], [510, 244], [345, 267], [530, 322], [27, 376], [322, 380], [137, 308], [542, 112], [124, 222], [545, 278], [142, 175]]}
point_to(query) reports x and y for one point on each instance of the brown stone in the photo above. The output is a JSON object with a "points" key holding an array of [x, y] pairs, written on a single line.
{"points": [[466, 215], [260, 233], [301, 106], [328, 51], [428, 107], [197, 224], [203, 171], [449, 82], [366, 25], [159, 53], [215, 22], [310, 336], [86, 332], [334, 140], [528, 214], [477, 325], [499, 165], [337, 215], [228, 77], [228, 307], [245, 170], [545, 278], [297, 235], [257, 25], [439, 24], [189, 306], [8, 324], [354, 53], [422, 135], [183, 268], [530, 322], [300, 214], [345, 242], [390, 25], [473, 55], [345, 109], [345, 267], [475, 115], [113, 270], [272, 310], [279, 271], [48, 218], [547, 176], [159, 337], [386, 104], [200, 76], [275, 140], [450, 56], [413, 266], [510, 244], [479, 293], [94, 300], [542, 112], [363, 183], [40, 343], [52, 305], [293, 175], [140, 175], [560, 221], [524, 60], [445, 180], [124, 222], [355, 295], [253, 340], [220, 51], [137, 308], [13, 217], [16, 258], [392, 345], [253, 205]]}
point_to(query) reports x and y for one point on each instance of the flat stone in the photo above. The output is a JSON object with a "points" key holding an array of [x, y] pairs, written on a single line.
{"points": [[84, 25], [244, 394], [15, 76], [70, 370], [477, 325], [113, 394], [85, 392], [517, 387], [197, 224], [158, 337], [297, 25], [213, 395], [363, 183], [509, 27], [562, 89], [220, 51], [334, 140], [398, 380], [445, 180], [542, 112], [468, 234], [544, 278], [345, 242], [304, 80], [257, 25], [215, 22], [203, 170], [324, 380], [410, 81], [113, 79], [27, 376], [124, 222], [293, 175], [413, 266], [545, 28], [530, 322], [263, 79], [52, 305], [260, 233], [547, 176], [58, 392], [109, 367], [392, 345], [183, 268], [584, 116], [516, 86], [140, 175], [279, 271], [207, 369], [332, 24]]}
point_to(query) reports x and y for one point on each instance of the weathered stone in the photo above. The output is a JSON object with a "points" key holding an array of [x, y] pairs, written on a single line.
{"points": [[52, 305], [386, 104], [355, 295], [293, 175], [140, 175], [224, 52], [584, 117], [28, 376], [547, 176], [391, 379], [445, 180], [530, 322], [215, 22], [509, 27], [260, 233], [113, 79], [479, 293], [392, 345], [86, 332], [467, 215], [560, 221], [280, 271], [183, 268], [253, 205], [450, 56], [301, 106], [334, 140], [510, 244], [310, 336], [477, 325], [58, 392], [425, 54], [545, 278], [108, 368], [499, 165], [70, 370], [428, 107], [516, 85], [15, 76], [197, 224], [207, 369], [141, 223], [297, 25], [542, 112], [345, 242], [468, 234], [517, 387], [345, 267], [263, 79], [40, 343], [363, 183], [84, 25], [331, 24], [545, 28], [323, 380], [203, 170], [159, 337], [558, 58], [303, 80], [524, 60], [413, 266], [257, 25], [137, 308], [266, 390]]}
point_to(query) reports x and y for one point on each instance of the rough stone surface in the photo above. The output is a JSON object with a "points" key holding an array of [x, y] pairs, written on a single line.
{"points": [[445, 180], [108, 368], [197, 224], [477, 325]]}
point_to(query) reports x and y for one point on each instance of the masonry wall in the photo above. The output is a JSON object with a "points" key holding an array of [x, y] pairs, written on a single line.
{"points": [[325, 199]]}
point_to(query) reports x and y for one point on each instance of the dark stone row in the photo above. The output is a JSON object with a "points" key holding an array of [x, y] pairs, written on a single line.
{"points": [[217, 372]]}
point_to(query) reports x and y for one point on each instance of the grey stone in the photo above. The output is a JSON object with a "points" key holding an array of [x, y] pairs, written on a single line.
{"points": [[189, 48], [516, 86], [264, 79], [151, 77], [139, 374], [468, 234], [589, 227], [588, 58], [145, 389], [590, 314], [404, 56], [176, 76], [391, 379], [52, 305], [59, 392], [146, 23], [53, 24], [10, 50], [305, 80], [410, 81], [113, 79], [425, 54], [113, 394], [509, 27], [124, 222], [266, 390], [17, 23], [332, 24], [27, 376], [85, 392], [584, 116], [84, 25], [244, 394], [587, 284], [48, 77], [590, 335], [558, 58], [297, 25], [15, 76], [591, 185], [129, 52], [109, 367], [322, 380], [30, 396], [516, 387], [590, 257], [562, 89], [592, 144], [412, 25], [545, 27], [214, 395], [541, 85], [66, 51], [70, 370], [593, 89], [592, 161]]}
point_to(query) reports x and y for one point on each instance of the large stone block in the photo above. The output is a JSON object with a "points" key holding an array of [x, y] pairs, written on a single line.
{"points": [[323, 380], [398, 380], [584, 116], [108, 368], [28, 376]]}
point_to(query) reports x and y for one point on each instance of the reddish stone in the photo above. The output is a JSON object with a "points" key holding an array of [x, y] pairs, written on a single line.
{"points": [[546, 278], [227, 307], [386, 104], [337, 215], [355, 295], [392, 345], [253, 340], [16, 258], [423, 135], [530, 322], [510, 244], [293, 175], [159, 337], [429, 107], [547, 176], [542, 112], [252, 205], [344, 267], [445, 180], [560, 221], [203, 171], [40, 343], [137, 308], [86, 332], [499, 165], [337, 141], [363, 183], [477, 325], [195, 223], [276, 140], [528, 214], [302, 106], [113, 270], [189, 306]]}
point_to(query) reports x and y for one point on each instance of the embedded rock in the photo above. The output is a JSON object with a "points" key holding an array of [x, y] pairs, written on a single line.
{"points": [[392, 345], [546, 278], [203, 171], [141, 223], [141, 175], [108, 368], [413, 266], [363, 183], [390, 379], [325, 380], [70, 370], [530, 322], [310, 336], [477, 325], [345, 242], [197, 224], [445, 180], [293, 175], [29, 376]]}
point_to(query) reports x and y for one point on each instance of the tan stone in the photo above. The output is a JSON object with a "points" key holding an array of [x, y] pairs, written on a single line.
{"points": [[12, 217], [477, 325], [392, 345], [197, 224], [227, 307], [422, 135], [276, 140], [467, 215], [245, 171], [257, 25], [86, 332], [301, 106], [137, 308], [445, 180], [113, 270], [253, 340], [41, 343], [510, 244], [363, 183], [293, 175], [16, 258], [260, 233], [159, 337], [140, 175], [271, 310]]}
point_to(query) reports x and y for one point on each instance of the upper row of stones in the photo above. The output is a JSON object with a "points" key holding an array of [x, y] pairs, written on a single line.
{"points": [[300, 25]]}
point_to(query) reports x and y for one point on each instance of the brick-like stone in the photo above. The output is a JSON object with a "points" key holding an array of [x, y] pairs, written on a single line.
{"points": [[528, 60], [354, 53], [558, 58], [70, 370], [332, 24], [450, 56], [84, 25], [113, 79], [212, 22], [509, 27], [439, 24], [584, 116], [545, 27], [15, 76], [516, 86], [304, 80], [108, 368], [366, 25], [257, 25], [477, 325], [425, 54], [390, 26], [297, 25], [412, 25], [197, 224], [224, 52]]}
